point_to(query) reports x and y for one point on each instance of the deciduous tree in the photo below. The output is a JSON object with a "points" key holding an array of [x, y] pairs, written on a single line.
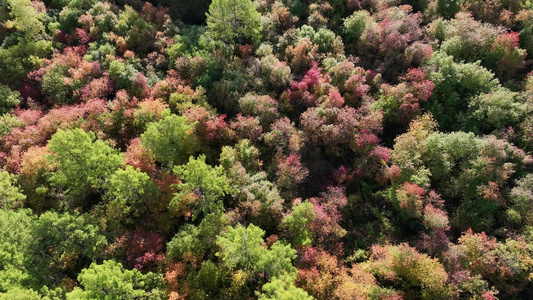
{"points": [[234, 21], [83, 163]]}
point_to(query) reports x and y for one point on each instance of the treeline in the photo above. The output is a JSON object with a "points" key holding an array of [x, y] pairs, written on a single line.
{"points": [[271, 149]]}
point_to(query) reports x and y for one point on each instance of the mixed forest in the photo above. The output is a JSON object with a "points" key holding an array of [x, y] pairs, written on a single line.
{"points": [[266, 149]]}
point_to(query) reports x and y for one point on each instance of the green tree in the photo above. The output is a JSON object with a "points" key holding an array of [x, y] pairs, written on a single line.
{"points": [[355, 24], [20, 294], [496, 110], [8, 99], [201, 181], [234, 21], [10, 195], [171, 140], [127, 196], [283, 288], [40, 252], [473, 174], [198, 240], [16, 256], [54, 86], [66, 241], [413, 272], [16, 61], [520, 212], [324, 38], [7, 123], [296, 223], [110, 281], [276, 261], [455, 85], [242, 248], [23, 49], [25, 17], [448, 8], [208, 278], [83, 163]]}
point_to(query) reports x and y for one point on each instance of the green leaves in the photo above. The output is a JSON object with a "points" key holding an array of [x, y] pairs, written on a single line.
{"points": [[283, 288], [198, 240], [355, 24], [445, 150], [129, 186], [16, 242], [83, 163], [410, 269], [241, 248], [37, 252], [498, 109], [110, 281], [171, 140], [53, 84], [21, 58], [520, 212], [297, 222], [203, 182], [25, 17], [69, 239], [234, 21], [10, 195], [276, 261], [128, 192], [8, 99], [20, 294], [324, 38], [455, 85]]}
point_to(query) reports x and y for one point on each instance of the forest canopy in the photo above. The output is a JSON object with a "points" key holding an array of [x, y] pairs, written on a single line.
{"points": [[266, 149]]}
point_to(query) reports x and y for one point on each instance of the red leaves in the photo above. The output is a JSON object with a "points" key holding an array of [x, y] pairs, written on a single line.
{"points": [[491, 192], [509, 41], [284, 137], [356, 86], [415, 202], [208, 125], [81, 37], [328, 278], [302, 55], [40, 128], [173, 274], [98, 88], [138, 156], [307, 256], [406, 97], [140, 86], [326, 225], [302, 93], [418, 84], [342, 174], [291, 172], [479, 251], [247, 128], [29, 116], [144, 250], [157, 15], [366, 138], [330, 126], [392, 44], [246, 51], [172, 83]]}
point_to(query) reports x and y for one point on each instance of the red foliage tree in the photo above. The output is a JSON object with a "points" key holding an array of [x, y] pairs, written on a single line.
{"points": [[326, 226]]}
